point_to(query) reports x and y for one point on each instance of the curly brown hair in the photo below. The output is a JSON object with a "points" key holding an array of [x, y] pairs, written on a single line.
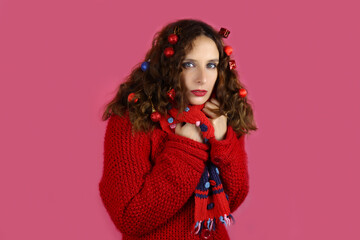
{"points": [[152, 85]]}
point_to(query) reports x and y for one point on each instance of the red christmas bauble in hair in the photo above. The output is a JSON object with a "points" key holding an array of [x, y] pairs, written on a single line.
{"points": [[169, 51], [155, 117], [131, 96], [224, 32], [228, 50], [172, 38], [171, 94], [242, 92], [232, 64]]}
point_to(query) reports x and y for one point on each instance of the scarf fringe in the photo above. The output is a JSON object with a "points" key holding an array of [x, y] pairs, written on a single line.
{"points": [[227, 220]]}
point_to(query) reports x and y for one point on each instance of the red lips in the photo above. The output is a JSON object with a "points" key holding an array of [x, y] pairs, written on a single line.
{"points": [[199, 92]]}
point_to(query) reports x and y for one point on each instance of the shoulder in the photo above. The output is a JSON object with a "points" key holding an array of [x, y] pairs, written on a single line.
{"points": [[123, 125], [117, 122], [115, 118]]}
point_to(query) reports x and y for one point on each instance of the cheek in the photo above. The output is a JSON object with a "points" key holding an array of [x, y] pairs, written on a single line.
{"points": [[213, 76], [186, 78]]}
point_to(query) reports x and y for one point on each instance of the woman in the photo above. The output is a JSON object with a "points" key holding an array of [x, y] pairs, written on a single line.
{"points": [[175, 165]]}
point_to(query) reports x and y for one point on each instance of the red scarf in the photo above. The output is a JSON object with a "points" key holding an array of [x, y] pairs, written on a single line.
{"points": [[211, 202]]}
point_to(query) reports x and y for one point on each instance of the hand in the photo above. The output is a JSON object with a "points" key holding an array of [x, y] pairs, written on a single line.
{"points": [[219, 122], [190, 131]]}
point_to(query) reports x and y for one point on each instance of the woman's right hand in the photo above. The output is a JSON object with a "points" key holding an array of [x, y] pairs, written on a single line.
{"points": [[190, 131]]}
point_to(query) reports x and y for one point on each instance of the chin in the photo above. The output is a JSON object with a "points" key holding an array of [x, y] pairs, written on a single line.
{"points": [[198, 100]]}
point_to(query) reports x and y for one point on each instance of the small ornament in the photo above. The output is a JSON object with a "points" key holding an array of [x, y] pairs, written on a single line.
{"points": [[131, 96], [242, 92], [197, 123], [232, 64], [155, 116], [228, 50], [171, 94], [144, 66], [187, 109], [224, 32], [172, 38], [169, 51], [203, 127], [210, 206], [170, 120]]}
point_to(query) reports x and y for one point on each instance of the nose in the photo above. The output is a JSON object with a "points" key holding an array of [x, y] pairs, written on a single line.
{"points": [[201, 76]]}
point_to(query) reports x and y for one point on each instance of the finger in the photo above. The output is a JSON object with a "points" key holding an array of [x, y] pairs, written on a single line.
{"points": [[215, 101], [211, 105], [209, 113]]}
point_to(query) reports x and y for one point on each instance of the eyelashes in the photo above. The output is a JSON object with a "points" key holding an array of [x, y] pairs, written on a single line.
{"points": [[190, 64]]}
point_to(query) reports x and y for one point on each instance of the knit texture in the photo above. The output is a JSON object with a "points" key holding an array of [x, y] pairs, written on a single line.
{"points": [[211, 203], [148, 180]]}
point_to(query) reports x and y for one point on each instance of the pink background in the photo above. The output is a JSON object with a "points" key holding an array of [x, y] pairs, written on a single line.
{"points": [[61, 61]]}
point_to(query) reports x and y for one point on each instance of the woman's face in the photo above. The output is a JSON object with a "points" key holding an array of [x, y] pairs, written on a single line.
{"points": [[200, 70]]}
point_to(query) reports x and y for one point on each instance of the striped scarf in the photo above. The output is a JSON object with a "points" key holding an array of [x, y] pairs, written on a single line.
{"points": [[211, 202]]}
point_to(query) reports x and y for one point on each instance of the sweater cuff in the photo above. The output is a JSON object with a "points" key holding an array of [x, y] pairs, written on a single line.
{"points": [[221, 150]]}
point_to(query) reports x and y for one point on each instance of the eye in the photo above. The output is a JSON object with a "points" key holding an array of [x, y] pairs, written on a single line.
{"points": [[212, 65], [187, 64]]}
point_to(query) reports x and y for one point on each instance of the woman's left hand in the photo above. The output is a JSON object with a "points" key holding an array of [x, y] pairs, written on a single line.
{"points": [[219, 122]]}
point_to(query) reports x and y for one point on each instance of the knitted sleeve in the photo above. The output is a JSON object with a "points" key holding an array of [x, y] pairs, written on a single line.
{"points": [[140, 196], [231, 159]]}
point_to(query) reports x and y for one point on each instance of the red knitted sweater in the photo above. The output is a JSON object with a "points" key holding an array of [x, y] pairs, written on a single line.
{"points": [[149, 179]]}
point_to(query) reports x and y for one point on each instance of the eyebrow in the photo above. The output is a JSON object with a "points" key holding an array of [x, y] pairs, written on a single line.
{"points": [[212, 60]]}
